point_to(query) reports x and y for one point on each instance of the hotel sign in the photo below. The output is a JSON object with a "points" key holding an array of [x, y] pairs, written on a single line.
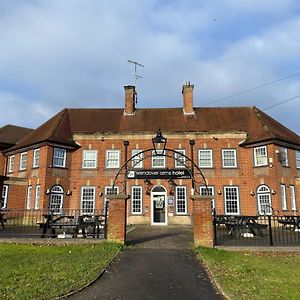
{"points": [[159, 174]]}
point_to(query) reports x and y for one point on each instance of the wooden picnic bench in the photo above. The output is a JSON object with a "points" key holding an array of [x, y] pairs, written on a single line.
{"points": [[293, 221], [250, 223], [80, 225]]}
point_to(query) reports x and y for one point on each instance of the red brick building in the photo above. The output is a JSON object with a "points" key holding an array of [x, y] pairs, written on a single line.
{"points": [[9, 136], [250, 161]]}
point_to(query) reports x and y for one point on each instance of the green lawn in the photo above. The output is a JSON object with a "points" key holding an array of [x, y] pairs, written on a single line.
{"points": [[254, 275], [48, 271]]}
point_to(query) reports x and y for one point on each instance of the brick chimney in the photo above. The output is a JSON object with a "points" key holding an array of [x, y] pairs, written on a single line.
{"points": [[187, 92], [129, 100]]}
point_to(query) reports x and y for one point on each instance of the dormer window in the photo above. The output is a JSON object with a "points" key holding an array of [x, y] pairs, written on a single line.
{"points": [[59, 157]]}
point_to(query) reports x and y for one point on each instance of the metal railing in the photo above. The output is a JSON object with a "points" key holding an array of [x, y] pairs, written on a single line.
{"points": [[261, 230], [43, 223]]}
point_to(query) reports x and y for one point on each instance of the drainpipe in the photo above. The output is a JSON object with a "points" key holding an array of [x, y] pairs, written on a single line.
{"points": [[192, 144], [126, 144]]}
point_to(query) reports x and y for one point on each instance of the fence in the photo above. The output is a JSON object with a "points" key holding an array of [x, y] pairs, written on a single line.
{"points": [[257, 230], [41, 223]]}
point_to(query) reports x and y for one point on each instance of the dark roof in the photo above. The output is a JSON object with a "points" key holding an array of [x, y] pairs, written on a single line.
{"points": [[258, 126], [11, 134]]}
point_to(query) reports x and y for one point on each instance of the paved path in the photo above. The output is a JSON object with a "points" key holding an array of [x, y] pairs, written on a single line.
{"points": [[159, 266]]}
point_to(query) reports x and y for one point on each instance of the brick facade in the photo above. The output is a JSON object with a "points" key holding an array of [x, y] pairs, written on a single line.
{"points": [[241, 181]]}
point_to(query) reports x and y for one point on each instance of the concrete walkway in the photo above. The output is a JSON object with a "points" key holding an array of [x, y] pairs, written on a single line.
{"points": [[160, 265]]}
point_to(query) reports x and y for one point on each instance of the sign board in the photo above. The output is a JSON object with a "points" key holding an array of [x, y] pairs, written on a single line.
{"points": [[159, 174], [171, 200]]}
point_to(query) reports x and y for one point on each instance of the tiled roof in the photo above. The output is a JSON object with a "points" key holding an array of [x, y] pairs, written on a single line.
{"points": [[258, 125], [11, 134]]}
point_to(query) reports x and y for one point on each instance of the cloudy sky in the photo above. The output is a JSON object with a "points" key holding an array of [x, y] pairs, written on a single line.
{"points": [[73, 53]]}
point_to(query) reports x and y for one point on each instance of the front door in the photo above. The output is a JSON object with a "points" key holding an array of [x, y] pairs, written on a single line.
{"points": [[159, 209]]}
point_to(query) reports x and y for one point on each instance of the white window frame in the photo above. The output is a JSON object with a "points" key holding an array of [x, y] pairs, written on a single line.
{"points": [[36, 158], [87, 198], [283, 197], [297, 154], [183, 200], [237, 200], [226, 160], [263, 193], [208, 159], [293, 198], [112, 163], [136, 201], [179, 159], [257, 157], [28, 197], [11, 163], [137, 161], [37, 196], [23, 161], [158, 158], [284, 156], [57, 191], [208, 191], [89, 162], [59, 154], [4, 195]]}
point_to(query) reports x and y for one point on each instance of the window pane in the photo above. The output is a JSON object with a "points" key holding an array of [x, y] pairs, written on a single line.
{"points": [[89, 159], [231, 200], [37, 197], [59, 157], [205, 158], [11, 163], [137, 161], [229, 158], [181, 205], [158, 161], [179, 158], [112, 159], [87, 200], [136, 200], [298, 159], [29, 195], [4, 196], [36, 158], [23, 161], [283, 197], [293, 197], [260, 156]]}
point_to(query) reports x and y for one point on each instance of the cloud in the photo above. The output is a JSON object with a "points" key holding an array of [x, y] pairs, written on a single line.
{"points": [[56, 54]]}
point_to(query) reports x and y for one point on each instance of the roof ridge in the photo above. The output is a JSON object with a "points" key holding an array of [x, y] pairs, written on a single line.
{"points": [[264, 125], [60, 119]]}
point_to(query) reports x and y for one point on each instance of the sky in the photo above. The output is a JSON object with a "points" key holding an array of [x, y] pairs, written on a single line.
{"points": [[74, 53]]}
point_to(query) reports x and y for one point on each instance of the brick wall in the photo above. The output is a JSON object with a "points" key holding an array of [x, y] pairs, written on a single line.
{"points": [[245, 176]]}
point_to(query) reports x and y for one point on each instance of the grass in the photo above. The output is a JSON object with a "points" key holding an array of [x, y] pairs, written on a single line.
{"points": [[254, 275], [49, 271]]}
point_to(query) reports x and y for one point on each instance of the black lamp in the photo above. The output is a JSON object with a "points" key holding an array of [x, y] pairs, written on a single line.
{"points": [[159, 142]]}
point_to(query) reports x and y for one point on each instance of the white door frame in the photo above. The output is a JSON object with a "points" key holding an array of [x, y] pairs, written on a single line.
{"points": [[166, 208]]}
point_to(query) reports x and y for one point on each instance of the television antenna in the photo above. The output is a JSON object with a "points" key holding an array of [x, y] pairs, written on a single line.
{"points": [[135, 75]]}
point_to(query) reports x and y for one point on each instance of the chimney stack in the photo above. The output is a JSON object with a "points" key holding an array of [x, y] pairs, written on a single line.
{"points": [[129, 99], [187, 92]]}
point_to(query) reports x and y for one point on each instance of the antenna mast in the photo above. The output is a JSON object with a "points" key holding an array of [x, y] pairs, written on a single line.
{"points": [[135, 75]]}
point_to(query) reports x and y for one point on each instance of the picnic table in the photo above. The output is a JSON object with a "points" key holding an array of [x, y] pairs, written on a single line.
{"points": [[293, 221], [79, 225], [249, 224]]}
